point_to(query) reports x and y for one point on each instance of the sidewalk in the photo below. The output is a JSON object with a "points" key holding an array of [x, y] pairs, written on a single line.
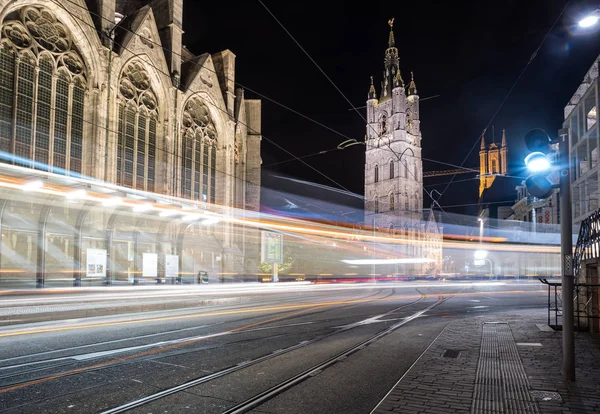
{"points": [[508, 364]]}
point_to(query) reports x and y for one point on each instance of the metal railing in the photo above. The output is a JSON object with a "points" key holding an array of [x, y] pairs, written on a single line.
{"points": [[588, 241], [585, 302]]}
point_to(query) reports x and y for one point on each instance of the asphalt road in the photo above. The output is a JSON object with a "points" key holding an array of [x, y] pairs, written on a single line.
{"points": [[309, 349]]}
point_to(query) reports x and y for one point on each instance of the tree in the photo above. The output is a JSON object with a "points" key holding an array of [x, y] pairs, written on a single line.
{"points": [[288, 262]]}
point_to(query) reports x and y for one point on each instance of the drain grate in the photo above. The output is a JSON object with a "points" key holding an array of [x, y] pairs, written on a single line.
{"points": [[546, 396], [451, 353]]}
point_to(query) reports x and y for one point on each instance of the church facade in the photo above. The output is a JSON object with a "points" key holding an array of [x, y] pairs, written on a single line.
{"points": [[106, 89], [393, 165]]}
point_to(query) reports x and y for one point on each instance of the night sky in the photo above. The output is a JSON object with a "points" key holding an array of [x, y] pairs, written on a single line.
{"points": [[470, 53]]}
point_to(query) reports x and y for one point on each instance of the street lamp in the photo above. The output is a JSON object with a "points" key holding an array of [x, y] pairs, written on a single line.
{"points": [[590, 20]]}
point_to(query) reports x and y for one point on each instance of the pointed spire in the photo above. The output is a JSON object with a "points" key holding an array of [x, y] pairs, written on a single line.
{"points": [[503, 138], [412, 87], [483, 140], [391, 40], [372, 92], [398, 81]]}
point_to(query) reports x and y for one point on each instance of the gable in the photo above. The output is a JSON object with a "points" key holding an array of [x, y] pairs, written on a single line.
{"points": [[138, 33]]}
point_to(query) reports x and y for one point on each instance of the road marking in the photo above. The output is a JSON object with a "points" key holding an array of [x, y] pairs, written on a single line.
{"points": [[529, 344], [141, 354], [31, 331]]}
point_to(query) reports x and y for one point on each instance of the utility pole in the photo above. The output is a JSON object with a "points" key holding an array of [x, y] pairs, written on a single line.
{"points": [[566, 254]]}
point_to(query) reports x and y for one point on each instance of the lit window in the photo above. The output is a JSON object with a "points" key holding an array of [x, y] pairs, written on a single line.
{"points": [[136, 142], [591, 118], [200, 152], [42, 75]]}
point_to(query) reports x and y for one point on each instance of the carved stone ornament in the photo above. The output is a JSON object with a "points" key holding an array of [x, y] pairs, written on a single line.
{"points": [[196, 116], [135, 86], [36, 29]]}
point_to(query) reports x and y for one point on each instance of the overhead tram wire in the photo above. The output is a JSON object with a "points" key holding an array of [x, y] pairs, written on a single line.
{"points": [[210, 70], [243, 87], [434, 201], [200, 97], [533, 56]]}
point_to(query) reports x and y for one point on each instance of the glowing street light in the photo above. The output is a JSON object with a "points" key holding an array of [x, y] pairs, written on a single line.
{"points": [[589, 20]]}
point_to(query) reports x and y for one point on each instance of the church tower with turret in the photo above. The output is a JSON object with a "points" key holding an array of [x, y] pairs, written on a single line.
{"points": [[393, 168], [492, 162]]}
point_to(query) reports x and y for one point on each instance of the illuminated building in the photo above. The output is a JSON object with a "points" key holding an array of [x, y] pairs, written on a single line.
{"points": [[393, 165], [105, 89]]}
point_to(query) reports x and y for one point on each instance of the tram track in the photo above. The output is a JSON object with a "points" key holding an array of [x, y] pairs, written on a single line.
{"points": [[75, 359], [262, 397]]}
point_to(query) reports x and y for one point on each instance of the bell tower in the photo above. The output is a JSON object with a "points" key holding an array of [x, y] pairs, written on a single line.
{"points": [[393, 167]]}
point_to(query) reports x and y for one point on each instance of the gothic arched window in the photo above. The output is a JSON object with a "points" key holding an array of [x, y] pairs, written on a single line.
{"points": [[391, 169], [376, 173], [383, 124], [406, 201], [416, 172], [376, 205], [392, 206], [138, 122], [199, 152], [42, 91], [494, 167]]}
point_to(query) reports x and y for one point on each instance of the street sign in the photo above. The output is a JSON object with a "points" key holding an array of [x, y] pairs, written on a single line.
{"points": [[568, 265], [272, 247], [479, 262]]}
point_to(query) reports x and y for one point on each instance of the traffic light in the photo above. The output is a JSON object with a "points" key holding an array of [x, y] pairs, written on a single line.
{"points": [[538, 164]]}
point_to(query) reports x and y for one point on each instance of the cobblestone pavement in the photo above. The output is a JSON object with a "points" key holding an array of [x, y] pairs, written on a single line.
{"points": [[439, 382]]}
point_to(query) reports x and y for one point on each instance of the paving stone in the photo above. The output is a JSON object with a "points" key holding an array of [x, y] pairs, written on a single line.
{"points": [[439, 385]]}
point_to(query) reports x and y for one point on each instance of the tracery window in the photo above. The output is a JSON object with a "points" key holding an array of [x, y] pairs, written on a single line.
{"points": [[199, 152], [392, 202], [383, 124], [42, 92], [138, 124]]}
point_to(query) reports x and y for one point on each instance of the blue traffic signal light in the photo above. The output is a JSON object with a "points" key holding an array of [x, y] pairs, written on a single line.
{"points": [[538, 164]]}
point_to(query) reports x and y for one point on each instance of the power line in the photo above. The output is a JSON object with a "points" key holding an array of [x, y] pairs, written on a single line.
{"points": [[476, 204], [345, 97], [533, 56], [295, 158], [198, 95]]}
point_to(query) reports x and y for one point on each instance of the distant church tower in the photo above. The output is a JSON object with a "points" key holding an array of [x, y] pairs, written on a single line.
{"points": [[492, 162], [393, 167]]}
